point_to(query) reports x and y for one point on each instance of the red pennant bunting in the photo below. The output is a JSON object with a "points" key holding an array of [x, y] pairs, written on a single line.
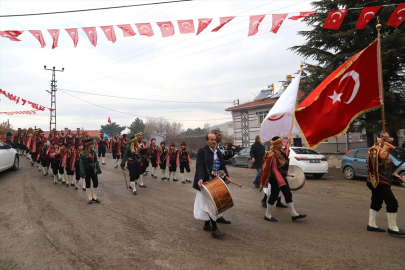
{"points": [[72, 32], [91, 33], [222, 22], [109, 120], [12, 35], [109, 33], [254, 24], [278, 20], [38, 35], [186, 26], [335, 19], [302, 15], [127, 30], [55, 37], [397, 17], [202, 24], [166, 28], [366, 15], [145, 29]]}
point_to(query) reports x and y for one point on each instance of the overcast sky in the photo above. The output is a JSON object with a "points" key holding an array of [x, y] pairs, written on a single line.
{"points": [[210, 67]]}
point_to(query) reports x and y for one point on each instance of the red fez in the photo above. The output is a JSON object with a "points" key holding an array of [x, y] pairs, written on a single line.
{"points": [[124, 136], [71, 144], [55, 141], [172, 144], [162, 142], [183, 143], [77, 146], [153, 139]]}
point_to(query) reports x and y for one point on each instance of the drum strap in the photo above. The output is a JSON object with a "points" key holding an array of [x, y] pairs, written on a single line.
{"points": [[206, 166]]}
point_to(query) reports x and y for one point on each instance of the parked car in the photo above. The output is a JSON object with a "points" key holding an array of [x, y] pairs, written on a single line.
{"points": [[8, 157], [308, 160], [354, 162]]}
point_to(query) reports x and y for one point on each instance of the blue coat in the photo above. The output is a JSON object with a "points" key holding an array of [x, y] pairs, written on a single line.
{"points": [[205, 159]]}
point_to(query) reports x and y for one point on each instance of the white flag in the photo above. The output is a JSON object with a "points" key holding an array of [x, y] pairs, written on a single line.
{"points": [[278, 120]]}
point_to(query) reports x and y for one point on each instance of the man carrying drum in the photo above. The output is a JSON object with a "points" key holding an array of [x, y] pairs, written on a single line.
{"points": [[209, 159]]}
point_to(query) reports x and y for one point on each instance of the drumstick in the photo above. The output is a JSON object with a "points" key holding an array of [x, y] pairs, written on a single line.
{"points": [[234, 183]]}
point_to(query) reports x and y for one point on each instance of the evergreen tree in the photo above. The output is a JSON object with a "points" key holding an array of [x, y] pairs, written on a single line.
{"points": [[112, 128], [136, 126], [331, 48]]}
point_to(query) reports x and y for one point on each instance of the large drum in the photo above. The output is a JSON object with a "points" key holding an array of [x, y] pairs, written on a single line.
{"points": [[295, 177], [217, 195]]}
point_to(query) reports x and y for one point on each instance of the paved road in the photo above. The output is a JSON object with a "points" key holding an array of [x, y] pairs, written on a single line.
{"points": [[43, 226]]}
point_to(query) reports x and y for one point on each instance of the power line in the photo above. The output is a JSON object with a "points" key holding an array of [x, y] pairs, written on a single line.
{"points": [[94, 9], [142, 116], [144, 99]]}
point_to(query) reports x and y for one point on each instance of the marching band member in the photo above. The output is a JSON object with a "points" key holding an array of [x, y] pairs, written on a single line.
{"points": [[122, 144], [43, 156], [14, 139], [69, 138], [20, 142], [101, 145], [75, 165], [89, 169], [62, 137], [132, 156], [152, 155], [381, 173], [209, 159], [85, 136], [24, 141], [183, 160], [274, 172], [78, 137], [55, 156], [171, 161], [114, 149], [66, 162], [226, 148], [143, 151], [162, 156]]}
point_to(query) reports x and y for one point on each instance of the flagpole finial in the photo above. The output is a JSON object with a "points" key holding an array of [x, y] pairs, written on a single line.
{"points": [[301, 65], [378, 26]]}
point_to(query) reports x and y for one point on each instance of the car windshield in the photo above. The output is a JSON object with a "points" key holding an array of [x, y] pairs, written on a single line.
{"points": [[304, 151], [398, 153]]}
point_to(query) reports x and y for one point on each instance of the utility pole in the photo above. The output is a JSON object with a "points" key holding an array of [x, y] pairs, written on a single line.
{"points": [[52, 120]]}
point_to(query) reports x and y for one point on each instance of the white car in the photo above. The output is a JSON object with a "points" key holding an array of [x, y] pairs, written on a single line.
{"points": [[309, 161], [8, 157]]}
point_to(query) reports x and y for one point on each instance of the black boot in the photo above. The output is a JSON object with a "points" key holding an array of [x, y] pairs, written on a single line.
{"points": [[280, 204]]}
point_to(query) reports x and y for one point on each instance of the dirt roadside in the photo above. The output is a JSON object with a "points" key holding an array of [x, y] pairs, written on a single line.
{"points": [[46, 226]]}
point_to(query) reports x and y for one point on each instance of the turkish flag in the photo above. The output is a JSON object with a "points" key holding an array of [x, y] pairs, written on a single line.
{"points": [[202, 24], [351, 90], [91, 33], [109, 33], [127, 30], [166, 28], [145, 29], [335, 19], [38, 35], [12, 35], [302, 15], [222, 22], [186, 26], [397, 17], [254, 24], [72, 32], [109, 120], [278, 20], [366, 15], [55, 37]]}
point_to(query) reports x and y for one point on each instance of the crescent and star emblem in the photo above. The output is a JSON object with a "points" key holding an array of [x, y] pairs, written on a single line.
{"points": [[73, 33], [340, 15], [167, 28], [185, 23], [372, 14], [147, 29], [204, 22], [275, 119], [256, 22], [278, 24], [38, 36], [356, 77], [400, 18]]}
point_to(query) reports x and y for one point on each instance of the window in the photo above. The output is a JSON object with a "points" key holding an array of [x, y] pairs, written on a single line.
{"points": [[398, 153], [362, 153], [261, 116], [352, 154], [304, 151], [363, 137]]}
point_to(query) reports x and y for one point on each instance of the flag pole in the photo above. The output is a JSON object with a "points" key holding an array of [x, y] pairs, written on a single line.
{"points": [[293, 117], [381, 76]]}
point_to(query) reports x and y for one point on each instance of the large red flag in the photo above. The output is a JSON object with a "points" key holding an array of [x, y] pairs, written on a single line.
{"points": [[12, 35], [202, 24], [186, 26], [366, 15], [145, 29], [127, 30], [254, 22], [109, 33], [166, 28], [55, 37], [278, 20], [222, 22], [38, 35], [397, 17], [351, 90], [73, 34], [91, 33], [335, 19], [302, 15]]}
